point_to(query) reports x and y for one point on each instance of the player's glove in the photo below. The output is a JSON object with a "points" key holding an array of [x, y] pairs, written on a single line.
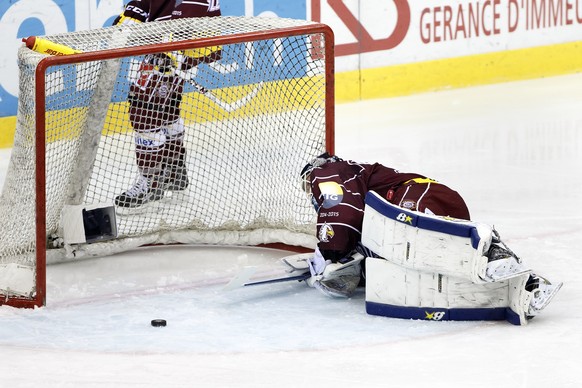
{"points": [[125, 20], [166, 63], [132, 14]]}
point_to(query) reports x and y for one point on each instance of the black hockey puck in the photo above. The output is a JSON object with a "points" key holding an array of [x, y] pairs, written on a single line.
{"points": [[158, 322]]}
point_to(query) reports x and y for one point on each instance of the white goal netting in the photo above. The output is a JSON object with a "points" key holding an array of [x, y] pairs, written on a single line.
{"points": [[253, 117]]}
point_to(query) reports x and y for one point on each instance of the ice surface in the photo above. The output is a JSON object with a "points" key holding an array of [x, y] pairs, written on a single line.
{"points": [[514, 151]]}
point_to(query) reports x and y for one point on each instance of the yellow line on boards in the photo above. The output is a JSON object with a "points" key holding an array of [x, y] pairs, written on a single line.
{"points": [[401, 80], [504, 66]]}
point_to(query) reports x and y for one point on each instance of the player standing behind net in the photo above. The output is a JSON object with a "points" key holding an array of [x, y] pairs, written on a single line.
{"points": [[337, 190], [154, 102]]}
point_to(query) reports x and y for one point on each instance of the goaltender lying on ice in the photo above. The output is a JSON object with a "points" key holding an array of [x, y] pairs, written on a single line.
{"points": [[432, 268]]}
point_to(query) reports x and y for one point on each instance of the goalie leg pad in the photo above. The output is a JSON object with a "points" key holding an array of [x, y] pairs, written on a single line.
{"points": [[398, 292], [438, 244], [425, 242]]}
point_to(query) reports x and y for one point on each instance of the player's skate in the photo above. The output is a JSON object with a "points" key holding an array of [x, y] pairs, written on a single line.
{"points": [[503, 263], [178, 178], [143, 191], [542, 293]]}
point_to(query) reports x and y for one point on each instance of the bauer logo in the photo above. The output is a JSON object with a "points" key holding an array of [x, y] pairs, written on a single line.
{"points": [[403, 217], [331, 194]]}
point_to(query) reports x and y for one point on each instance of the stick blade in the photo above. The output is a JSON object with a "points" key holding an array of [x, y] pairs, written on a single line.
{"points": [[241, 278]]}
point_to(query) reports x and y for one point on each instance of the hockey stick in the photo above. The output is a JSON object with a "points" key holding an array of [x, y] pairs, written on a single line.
{"points": [[45, 46], [242, 279], [294, 263], [301, 277], [226, 106]]}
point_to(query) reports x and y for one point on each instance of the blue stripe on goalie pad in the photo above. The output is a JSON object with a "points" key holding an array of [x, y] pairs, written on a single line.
{"points": [[443, 314], [420, 220]]}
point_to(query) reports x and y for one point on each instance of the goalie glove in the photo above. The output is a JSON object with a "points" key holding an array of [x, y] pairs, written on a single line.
{"points": [[335, 279]]}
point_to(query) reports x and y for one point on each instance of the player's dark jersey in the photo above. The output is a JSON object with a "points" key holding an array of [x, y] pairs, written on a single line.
{"points": [[155, 98], [339, 190], [156, 10]]}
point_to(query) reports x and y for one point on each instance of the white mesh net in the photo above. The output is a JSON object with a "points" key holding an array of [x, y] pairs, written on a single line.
{"points": [[260, 117]]}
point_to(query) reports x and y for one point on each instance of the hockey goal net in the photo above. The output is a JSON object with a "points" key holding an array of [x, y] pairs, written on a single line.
{"points": [[252, 120]]}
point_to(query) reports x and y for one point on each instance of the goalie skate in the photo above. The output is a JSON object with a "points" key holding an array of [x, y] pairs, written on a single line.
{"points": [[503, 269], [503, 264], [542, 294]]}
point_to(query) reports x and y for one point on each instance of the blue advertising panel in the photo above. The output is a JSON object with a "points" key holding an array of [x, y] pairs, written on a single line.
{"points": [[23, 18], [261, 61]]}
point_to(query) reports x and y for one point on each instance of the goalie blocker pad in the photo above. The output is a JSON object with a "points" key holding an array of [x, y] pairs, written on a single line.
{"points": [[398, 292], [426, 242]]}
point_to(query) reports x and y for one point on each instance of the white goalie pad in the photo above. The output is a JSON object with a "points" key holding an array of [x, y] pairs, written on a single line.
{"points": [[398, 292], [426, 242]]}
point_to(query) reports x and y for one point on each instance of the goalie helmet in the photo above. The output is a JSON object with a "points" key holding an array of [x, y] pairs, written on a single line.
{"points": [[317, 162]]}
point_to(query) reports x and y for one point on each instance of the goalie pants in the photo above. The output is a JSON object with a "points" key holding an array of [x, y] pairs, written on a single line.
{"points": [[430, 197]]}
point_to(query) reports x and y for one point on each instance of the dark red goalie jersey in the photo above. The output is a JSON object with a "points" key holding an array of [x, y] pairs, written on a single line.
{"points": [[339, 190]]}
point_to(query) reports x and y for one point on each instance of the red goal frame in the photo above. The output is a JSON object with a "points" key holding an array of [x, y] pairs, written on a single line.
{"points": [[39, 298]]}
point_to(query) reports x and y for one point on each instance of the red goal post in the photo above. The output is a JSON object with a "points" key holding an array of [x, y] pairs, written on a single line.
{"points": [[252, 119]]}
